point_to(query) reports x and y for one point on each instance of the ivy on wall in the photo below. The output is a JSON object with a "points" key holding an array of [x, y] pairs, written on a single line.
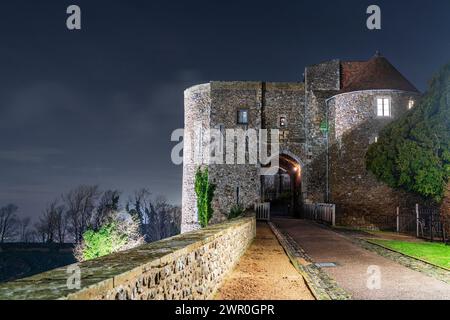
{"points": [[413, 152], [205, 193]]}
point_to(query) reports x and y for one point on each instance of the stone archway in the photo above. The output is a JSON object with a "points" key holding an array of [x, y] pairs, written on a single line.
{"points": [[284, 189]]}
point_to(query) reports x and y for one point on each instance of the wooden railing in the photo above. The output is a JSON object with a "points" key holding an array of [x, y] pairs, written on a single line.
{"points": [[321, 212], [262, 211]]}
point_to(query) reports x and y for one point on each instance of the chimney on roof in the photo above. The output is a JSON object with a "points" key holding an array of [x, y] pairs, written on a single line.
{"points": [[377, 54]]}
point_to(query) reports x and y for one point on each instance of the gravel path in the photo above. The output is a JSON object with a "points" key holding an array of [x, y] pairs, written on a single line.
{"points": [[355, 266], [264, 273]]}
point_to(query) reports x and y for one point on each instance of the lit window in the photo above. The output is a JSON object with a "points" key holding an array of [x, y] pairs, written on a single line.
{"points": [[375, 139], [243, 116], [283, 122], [410, 104], [383, 107]]}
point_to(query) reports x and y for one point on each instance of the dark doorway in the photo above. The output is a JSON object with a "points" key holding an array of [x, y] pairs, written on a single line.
{"points": [[283, 190]]}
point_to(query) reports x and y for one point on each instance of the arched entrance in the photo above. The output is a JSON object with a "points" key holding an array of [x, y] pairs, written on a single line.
{"points": [[283, 190]]}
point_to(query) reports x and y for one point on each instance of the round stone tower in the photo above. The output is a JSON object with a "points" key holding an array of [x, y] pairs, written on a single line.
{"points": [[197, 102], [373, 94]]}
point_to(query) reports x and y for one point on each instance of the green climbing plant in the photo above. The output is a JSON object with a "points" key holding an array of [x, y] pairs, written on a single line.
{"points": [[205, 193], [413, 152]]}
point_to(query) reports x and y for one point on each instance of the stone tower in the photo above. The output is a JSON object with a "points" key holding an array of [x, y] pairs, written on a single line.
{"points": [[325, 123]]}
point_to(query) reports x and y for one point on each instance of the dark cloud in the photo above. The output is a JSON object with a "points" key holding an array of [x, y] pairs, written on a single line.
{"points": [[98, 106], [29, 156]]}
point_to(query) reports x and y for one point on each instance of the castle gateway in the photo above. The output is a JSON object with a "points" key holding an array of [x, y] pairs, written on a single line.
{"points": [[325, 123]]}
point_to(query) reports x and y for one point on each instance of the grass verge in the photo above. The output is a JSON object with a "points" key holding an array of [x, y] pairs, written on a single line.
{"points": [[434, 253]]}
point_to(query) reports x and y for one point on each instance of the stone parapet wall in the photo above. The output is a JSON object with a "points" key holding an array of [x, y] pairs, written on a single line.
{"points": [[189, 266]]}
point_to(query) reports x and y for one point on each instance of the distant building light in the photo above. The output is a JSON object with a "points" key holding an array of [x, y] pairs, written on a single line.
{"points": [[283, 122], [410, 104]]}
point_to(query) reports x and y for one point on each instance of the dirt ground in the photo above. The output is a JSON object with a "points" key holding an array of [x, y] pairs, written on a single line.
{"points": [[264, 273]]}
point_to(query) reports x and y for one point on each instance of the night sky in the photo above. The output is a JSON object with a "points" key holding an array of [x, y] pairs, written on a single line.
{"points": [[97, 106]]}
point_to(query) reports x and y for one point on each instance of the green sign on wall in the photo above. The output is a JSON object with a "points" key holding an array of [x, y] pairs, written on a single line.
{"points": [[324, 127]]}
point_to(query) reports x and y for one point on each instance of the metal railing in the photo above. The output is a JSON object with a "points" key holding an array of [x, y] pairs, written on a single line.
{"points": [[321, 212], [419, 221], [430, 224]]}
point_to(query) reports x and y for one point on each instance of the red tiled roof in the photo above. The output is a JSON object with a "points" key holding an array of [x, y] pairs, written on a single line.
{"points": [[375, 74]]}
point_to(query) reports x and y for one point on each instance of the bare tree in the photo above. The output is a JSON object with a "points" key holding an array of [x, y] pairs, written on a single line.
{"points": [[163, 219], [40, 231], [8, 222], [80, 204], [139, 205], [60, 223], [159, 219], [24, 230], [108, 204], [52, 225], [47, 223]]}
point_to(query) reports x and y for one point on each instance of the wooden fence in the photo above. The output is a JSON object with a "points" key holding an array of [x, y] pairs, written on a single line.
{"points": [[321, 212]]}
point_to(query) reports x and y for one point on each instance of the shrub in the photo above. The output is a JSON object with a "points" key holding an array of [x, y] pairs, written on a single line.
{"points": [[205, 193], [119, 234], [236, 211]]}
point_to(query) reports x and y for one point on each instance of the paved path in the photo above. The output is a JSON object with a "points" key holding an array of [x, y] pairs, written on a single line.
{"points": [[351, 273], [264, 273]]}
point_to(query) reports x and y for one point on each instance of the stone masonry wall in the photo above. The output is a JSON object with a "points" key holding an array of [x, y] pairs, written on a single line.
{"points": [[288, 100], [322, 81], [197, 112], [266, 102], [359, 196], [188, 266], [235, 183]]}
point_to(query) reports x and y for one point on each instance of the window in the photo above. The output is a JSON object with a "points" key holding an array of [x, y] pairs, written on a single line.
{"points": [[243, 116], [383, 107], [283, 122], [410, 104]]}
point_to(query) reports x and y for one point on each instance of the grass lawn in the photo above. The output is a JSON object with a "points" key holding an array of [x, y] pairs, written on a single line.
{"points": [[436, 253]]}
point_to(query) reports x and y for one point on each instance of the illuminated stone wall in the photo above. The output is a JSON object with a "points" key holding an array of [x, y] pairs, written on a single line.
{"points": [[358, 195], [332, 166], [188, 266]]}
